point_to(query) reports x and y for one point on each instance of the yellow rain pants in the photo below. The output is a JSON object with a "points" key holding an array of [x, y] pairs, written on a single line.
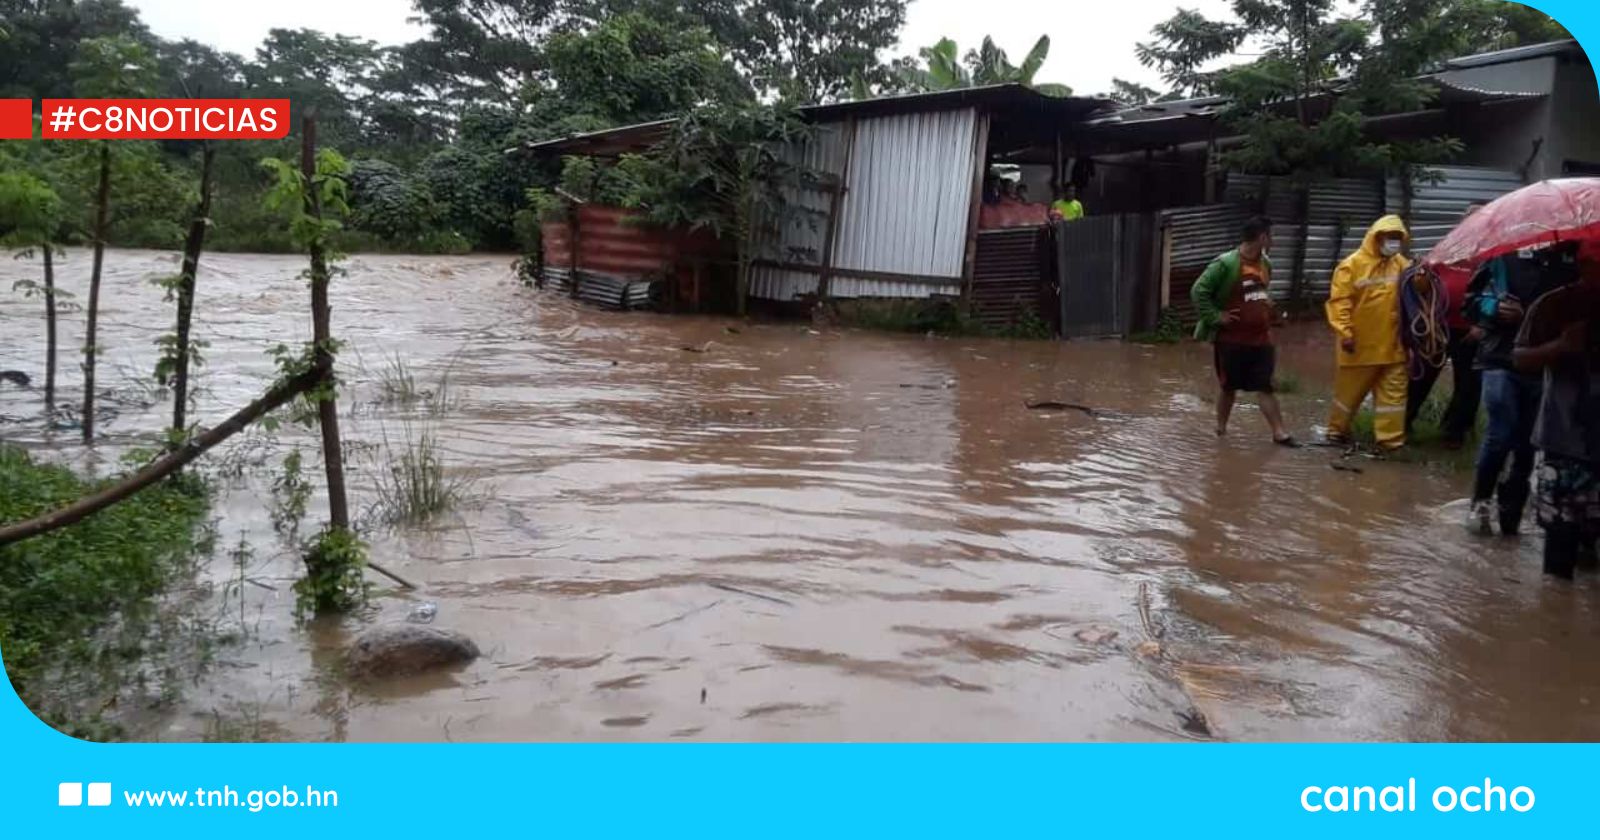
{"points": [[1364, 306], [1387, 384]]}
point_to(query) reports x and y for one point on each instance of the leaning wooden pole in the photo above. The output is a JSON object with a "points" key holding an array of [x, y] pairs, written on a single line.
{"points": [[163, 466], [192, 246], [322, 334]]}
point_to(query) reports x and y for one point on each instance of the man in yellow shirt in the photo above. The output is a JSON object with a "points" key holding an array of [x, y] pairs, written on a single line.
{"points": [[1364, 311], [1068, 208]]}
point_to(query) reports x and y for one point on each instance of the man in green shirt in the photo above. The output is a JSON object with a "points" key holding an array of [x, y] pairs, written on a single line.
{"points": [[1068, 208]]}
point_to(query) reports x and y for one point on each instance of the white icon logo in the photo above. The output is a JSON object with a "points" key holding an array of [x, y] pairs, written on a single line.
{"points": [[70, 794]]}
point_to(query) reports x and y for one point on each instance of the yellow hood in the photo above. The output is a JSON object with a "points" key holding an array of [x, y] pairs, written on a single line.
{"points": [[1364, 301], [1387, 224]]}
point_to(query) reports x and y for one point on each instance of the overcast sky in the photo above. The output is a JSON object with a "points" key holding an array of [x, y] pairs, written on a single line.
{"points": [[1091, 40]]}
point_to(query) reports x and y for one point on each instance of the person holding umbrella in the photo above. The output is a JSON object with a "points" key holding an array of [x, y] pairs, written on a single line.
{"points": [[1364, 311], [1519, 228], [1560, 338]]}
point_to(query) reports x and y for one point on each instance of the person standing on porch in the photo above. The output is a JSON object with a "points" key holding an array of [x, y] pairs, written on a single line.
{"points": [[1236, 314], [1068, 208], [1364, 311]]}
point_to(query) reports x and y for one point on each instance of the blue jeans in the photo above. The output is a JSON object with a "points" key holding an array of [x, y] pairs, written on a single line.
{"points": [[1513, 403]]}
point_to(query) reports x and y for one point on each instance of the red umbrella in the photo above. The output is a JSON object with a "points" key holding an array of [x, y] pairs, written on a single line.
{"points": [[1562, 210]]}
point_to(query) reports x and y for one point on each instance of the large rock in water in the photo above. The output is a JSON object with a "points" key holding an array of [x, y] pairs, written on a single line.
{"points": [[391, 650]]}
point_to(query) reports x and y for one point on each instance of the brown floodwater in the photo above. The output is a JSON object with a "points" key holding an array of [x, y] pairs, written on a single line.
{"points": [[834, 535]]}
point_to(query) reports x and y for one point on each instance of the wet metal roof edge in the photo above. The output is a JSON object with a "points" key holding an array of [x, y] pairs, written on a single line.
{"points": [[1522, 53], [1011, 95]]}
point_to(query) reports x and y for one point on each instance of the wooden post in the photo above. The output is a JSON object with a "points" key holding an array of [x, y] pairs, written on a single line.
{"points": [[1144, 179], [186, 280], [979, 168], [1057, 167], [1166, 268], [101, 211], [1211, 168], [835, 207], [49, 330], [322, 334], [573, 243], [1302, 213]]}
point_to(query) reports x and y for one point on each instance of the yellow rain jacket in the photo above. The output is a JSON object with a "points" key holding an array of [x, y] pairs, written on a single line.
{"points": [[1364, 303]]}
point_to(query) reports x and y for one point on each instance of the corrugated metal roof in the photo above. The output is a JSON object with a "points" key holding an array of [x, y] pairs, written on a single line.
{"points": [[1523, 53], [1012, 97], [909, 195]]}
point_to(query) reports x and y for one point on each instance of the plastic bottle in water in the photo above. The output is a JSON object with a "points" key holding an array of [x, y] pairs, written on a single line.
{"points": [[423, 612]]}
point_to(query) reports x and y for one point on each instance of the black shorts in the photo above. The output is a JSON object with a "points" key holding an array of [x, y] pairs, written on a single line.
{"points": [[1245, 367]]}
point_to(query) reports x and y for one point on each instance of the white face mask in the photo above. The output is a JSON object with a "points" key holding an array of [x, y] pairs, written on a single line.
{"points": [[1390, 247]]}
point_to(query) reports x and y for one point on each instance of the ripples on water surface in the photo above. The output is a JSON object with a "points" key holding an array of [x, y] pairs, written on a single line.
{"points": [[840, 535]]}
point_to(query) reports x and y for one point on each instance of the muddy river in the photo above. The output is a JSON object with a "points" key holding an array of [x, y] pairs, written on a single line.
{"points": [[834, 535]]}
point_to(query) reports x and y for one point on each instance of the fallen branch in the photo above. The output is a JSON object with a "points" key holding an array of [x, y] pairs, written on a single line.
{"points": [[164, 466], [1053, 405]]}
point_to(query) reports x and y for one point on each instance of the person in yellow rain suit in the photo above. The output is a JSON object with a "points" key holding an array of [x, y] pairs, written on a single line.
{"points": [[1364, 311]]}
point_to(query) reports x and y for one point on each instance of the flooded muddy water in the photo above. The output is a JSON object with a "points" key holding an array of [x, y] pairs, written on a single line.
{"points": [[835, 535]]}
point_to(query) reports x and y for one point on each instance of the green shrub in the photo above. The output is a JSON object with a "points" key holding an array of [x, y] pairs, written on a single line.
{"points": [[59, 588]]}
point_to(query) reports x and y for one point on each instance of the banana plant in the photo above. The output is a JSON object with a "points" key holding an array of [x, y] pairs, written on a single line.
{"points": [[944, 68], [944, 71]]}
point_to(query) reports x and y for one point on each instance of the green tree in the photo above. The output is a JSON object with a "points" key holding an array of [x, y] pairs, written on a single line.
{"points": [[634, 68], [43, 37], [1277, 102], [1133, 93], [330, 76], [113, 67], [30, 218], [805, 50], [386, 201], [724, 169], [311, 197]]}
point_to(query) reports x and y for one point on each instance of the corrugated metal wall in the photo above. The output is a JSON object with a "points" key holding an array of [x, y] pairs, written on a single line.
{"points": [[904, 211], [910, 195], [1008, 276], [1350, 199], [1437, 207], [621, 262], [1104, 266], [801, 236]]}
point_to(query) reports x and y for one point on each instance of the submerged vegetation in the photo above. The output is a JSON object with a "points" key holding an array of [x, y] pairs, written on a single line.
{"points": [[60, 591]]}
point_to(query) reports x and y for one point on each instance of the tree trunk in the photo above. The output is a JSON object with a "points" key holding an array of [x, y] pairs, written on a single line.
{"points": [[49, 330], [163, 466], [322, 334], [186, 280], [101, 211]]}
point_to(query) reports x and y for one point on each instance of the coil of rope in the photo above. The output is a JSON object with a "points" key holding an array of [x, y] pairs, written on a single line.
{"points": [[1424, 316]]}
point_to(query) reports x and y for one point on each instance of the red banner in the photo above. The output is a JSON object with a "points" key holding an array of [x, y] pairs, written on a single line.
{"points": [[166, 119], [16, 119]]}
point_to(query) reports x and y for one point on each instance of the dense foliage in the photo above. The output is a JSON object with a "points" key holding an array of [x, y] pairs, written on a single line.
{"points": [[56, 590], [1370, 56], [426, 126]]}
